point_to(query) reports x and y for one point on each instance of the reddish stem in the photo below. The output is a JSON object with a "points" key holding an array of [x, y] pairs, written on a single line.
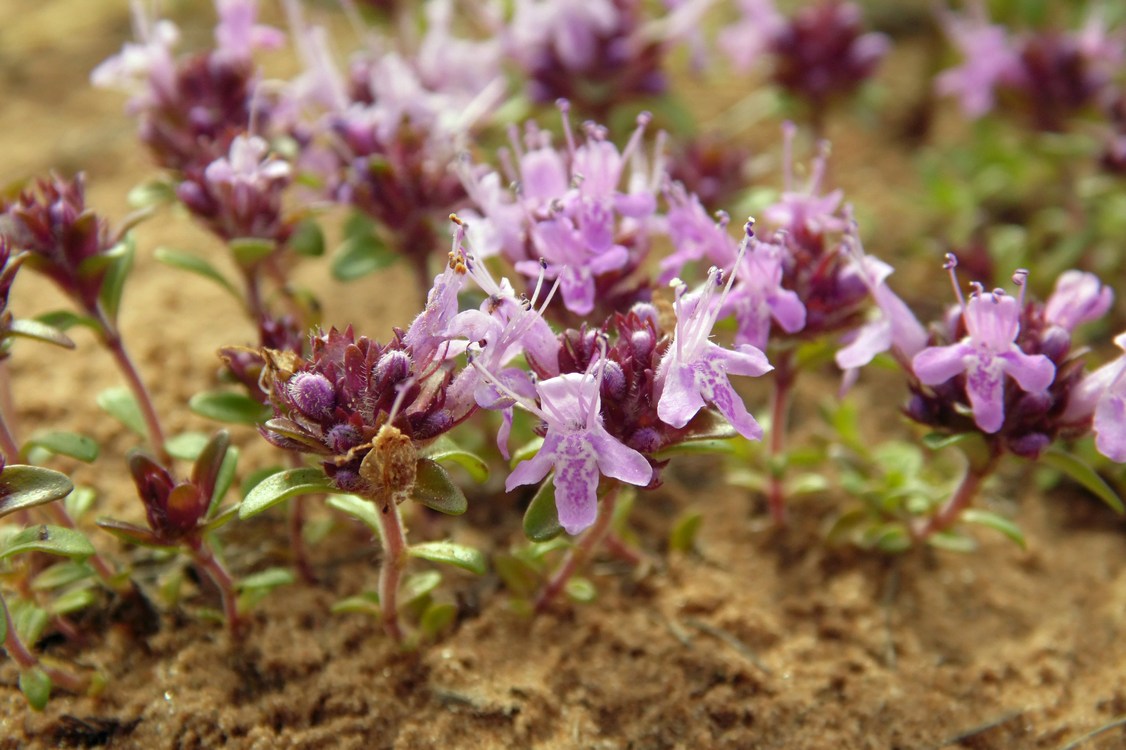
{"points": [[111, 337], [206, 560], [391, 568], [578, 555], [27, 660], [962, 498]]}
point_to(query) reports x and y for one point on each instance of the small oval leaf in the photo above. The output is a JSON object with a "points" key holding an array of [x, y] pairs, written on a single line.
{"points": [[360, 509], [70, 444], [445, 450], [36, 687], [1082, 473], [434, 489], [39, 331], [27, 486], [282, 486], [120, 404], [995, 522], [54, 540], [541, 519], [197, 265], [449, 553], [360, 255], [248, 251]]}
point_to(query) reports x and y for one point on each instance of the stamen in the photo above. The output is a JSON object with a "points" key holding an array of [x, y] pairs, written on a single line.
{"points": [[495, 382], [951, 265], [722, 219], [643, 121], [564, 107], [998, 295], [401, 389], [1020, 277]]}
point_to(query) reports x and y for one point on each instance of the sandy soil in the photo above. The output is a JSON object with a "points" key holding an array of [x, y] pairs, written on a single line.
{"points": [[764, 639]]}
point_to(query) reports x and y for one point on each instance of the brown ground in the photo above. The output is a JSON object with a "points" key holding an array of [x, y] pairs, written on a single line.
{"points": [[764, 639]]}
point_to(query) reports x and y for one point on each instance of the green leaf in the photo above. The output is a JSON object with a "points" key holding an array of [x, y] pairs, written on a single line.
{"points": [[224, 479], [1081, 472], [697, 447], [449, 553], [151, 194], [445, 450], [419, 585], [54, 540], [36, 687], [682, 538], [267, 579], [307, 239], [65, 319], [938, 440], [249, 251], [74, 600], [437, 617], [39, 331], [366, 603], [194, 264], [114, 283], [229, 406], [255, 478], [359, 255], [951, 542], [79, 502], [434, 489], [187, 445], [130, 533], [541, 519], [580, 590], [120, 404], [70, 444], [61, 574], [282, 486], [995, 522], [30, 621], [359, 508], [27, 486], [526, 451]]}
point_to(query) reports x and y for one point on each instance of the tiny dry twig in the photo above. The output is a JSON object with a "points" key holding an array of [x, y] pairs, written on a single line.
{"points": [[743, 649], [960, 737], [1119, 722]]}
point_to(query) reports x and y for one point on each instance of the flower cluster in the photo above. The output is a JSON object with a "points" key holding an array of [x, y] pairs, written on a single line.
{"points": [[571, 211], [1049, 76], [820, 55], [1006, 367]]}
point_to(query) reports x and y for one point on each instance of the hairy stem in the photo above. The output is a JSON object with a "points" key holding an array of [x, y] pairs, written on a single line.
{"points": [[111, 337], [578, 555], [391, 569]]}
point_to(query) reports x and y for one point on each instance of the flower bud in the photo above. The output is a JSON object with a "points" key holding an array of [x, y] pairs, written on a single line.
{"points": [[1032, 405], [645, 440], [393, 367], [641, 345], [342, 438], [1055, 343], [1030, 445], [613, 382], [312, 394]]}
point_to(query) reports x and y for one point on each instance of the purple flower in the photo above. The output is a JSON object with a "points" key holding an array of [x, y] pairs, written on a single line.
{"points": [[986, 355], [759, 297], [238, 34], [578, 448], [1077, 299], [694, 234], [146, 70], [695, 371], [752, 36], [894, 326], [989, 61], [805, 213], [1103, 395]]}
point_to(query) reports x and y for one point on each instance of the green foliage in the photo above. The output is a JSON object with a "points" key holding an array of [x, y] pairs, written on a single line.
{"points": [[363, 250], [230, 407], [541, 519], [79, 447], [197, 265], [434, 489], [53, 540], [281, 486], [448, 553], [23, 487], [120, 404]]}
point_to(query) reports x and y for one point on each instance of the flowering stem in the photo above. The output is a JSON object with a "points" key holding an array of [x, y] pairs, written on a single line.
{"points": [[113, 341], [206, 560], [581, 552], [391, 570], [784, 376], [962, 498]]}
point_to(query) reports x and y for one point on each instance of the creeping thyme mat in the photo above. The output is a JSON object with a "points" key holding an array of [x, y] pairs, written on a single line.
{"points": [[732, 633]]}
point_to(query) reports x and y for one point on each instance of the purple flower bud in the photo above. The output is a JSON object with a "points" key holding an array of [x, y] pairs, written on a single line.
{"points": [[1032, 405], [312, 394], [919, 409], [645, 440], [346, 479], [613, 382], [393, 367], [1055, 344], [1030, 445], [343, 437], [641, 345], [646, 312]]}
